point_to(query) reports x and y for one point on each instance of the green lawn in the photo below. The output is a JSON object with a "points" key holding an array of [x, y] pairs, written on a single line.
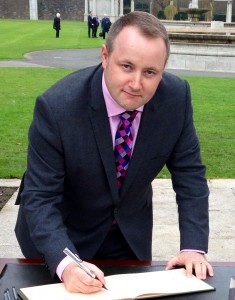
{"points": [[21, 36], [19, 88], [214, 115], [213, 98]]}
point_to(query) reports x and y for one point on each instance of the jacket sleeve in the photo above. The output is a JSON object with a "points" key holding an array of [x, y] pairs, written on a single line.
{"points": [[190, 185], [42, 197]]}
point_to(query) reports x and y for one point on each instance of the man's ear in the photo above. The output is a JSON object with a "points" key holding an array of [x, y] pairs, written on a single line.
{"points": [[104, 56]]}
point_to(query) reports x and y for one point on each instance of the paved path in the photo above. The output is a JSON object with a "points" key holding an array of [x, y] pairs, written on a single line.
{"points": [[165, 229], [82, 58]]}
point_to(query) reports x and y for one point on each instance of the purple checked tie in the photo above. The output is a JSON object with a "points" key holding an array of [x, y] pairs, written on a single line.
{"points": [[123, 145]]}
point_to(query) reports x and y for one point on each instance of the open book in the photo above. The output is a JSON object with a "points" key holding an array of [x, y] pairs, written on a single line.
{"points": [[125, 286]]}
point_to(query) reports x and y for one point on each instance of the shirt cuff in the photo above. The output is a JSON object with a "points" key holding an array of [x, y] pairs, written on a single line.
{"points": [[62, 265], [193, 250]]}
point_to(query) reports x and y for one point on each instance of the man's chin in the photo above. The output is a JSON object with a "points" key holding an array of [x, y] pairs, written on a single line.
{"points": [[130, 104]]}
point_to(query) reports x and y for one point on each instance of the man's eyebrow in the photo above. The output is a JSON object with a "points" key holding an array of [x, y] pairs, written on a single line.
{"points": [[126, 61], [154, 69], [151, 68]]}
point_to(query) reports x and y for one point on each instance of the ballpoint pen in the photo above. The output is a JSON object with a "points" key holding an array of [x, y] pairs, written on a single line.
{"points": [[7, 295], [14, 293], [232, 289], [80, 263]]}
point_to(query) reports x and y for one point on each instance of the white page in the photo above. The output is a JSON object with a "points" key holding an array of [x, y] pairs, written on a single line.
{"points": [[124, 286]]}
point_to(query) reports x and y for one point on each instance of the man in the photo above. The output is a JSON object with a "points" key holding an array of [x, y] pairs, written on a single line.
{"points": [[81, 192], [105, 25], [95, 22], [90, 24], [56, 25]]}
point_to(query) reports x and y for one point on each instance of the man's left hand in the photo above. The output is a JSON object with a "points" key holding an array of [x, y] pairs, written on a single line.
{"points": [[192, 261]]}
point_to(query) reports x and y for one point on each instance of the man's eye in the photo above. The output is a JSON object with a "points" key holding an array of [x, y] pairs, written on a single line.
{"points": [[125, 66], [149, 72]]}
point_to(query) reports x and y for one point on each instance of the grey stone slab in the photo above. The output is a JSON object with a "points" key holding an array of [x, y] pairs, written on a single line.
{"points": [[10, 182], [165, 227]]}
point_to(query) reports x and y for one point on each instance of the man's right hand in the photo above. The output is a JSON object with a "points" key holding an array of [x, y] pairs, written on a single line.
{"points": [[78, 281]]}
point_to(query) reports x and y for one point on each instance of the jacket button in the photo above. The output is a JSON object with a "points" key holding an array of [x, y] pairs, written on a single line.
{"points": [[115, 211]]}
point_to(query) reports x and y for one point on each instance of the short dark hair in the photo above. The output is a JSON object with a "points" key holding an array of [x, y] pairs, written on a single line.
{"points": [[148, 24]]}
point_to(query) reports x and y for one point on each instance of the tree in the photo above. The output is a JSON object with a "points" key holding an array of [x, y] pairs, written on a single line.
{"points": [[170, 11]]}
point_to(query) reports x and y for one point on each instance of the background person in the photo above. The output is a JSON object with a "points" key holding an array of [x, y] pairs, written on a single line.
{"points": [[95, 22], [56, 25], [105, 25], [75, 194], [90, 24]]}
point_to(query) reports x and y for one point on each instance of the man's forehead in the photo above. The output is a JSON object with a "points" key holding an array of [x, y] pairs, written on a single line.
{"points": [[129, 31]]}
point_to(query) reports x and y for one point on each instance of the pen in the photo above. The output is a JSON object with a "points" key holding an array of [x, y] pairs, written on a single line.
{"points": [[232, 289], [14, 293], [80, 263], [7, 295]]}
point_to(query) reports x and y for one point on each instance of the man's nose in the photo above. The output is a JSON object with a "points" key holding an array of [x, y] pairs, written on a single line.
{"points": [[136, 81]]}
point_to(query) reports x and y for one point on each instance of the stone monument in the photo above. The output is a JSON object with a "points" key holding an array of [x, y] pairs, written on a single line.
{"points": [[194, 12]]}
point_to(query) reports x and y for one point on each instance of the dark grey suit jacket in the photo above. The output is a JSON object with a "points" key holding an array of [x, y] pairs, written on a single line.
{"points": [[70, 195]]}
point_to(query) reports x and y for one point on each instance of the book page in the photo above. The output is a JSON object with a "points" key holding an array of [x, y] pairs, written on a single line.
{"points": [[125, 286]]}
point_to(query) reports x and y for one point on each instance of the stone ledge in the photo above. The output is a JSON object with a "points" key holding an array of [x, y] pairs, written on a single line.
{"points": [[10, 182]]}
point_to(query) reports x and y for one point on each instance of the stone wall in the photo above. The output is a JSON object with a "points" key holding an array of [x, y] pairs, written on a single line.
{"points": [[14, 9], [69, 9], [19, 9]]}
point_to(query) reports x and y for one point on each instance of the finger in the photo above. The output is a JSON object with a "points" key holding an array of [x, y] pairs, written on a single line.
{"points": [[189, 269], [169, 266], [95, 269], [200, 270], [88, 289], [89, 281], [205, 268], [171, 263], [79, 281], [210, 270], [87, 284], [99, 274]]}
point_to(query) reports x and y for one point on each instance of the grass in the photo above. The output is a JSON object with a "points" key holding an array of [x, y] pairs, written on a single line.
{"points": [[19, 88], [214, 110], [214, 119], [213, 98], [21, 36]]}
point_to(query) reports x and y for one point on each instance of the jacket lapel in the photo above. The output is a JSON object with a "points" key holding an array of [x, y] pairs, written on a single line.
{"points": [[100, 122]]}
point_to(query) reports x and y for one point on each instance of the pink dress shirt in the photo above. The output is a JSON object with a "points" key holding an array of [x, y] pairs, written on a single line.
{"points": [[114, 110]]}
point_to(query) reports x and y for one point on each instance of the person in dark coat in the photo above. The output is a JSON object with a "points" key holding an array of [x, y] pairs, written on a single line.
{"points": [[56, 25], [90, 24], [105, 25], [71, 196], [95, 22]]}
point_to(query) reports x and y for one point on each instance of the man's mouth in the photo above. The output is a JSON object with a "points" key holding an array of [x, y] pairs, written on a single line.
{"points": [[132, 94]]}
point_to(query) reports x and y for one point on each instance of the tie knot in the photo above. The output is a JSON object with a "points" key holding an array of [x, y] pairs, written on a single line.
{"points": [[127, 117]]}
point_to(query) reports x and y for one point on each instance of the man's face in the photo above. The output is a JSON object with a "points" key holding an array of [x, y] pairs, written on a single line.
{"points": [[134, 68]]}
